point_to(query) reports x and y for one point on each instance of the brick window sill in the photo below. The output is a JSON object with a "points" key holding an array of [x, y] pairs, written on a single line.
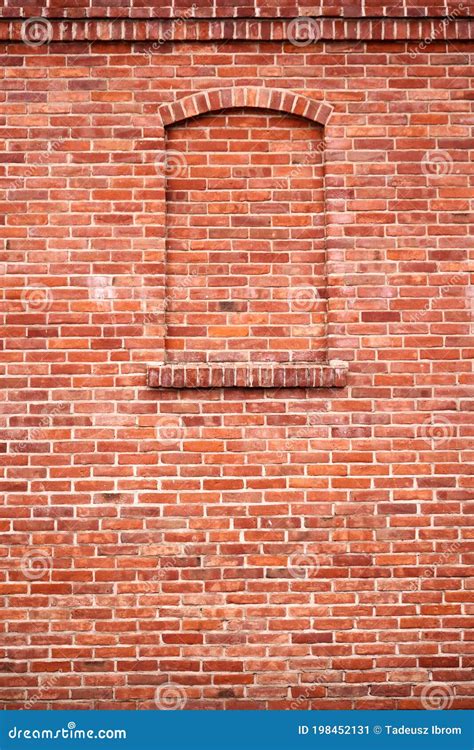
{"points": [[194, 375]]}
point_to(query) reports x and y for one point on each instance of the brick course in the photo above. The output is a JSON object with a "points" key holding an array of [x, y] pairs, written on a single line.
{"points": [[251, 547]]}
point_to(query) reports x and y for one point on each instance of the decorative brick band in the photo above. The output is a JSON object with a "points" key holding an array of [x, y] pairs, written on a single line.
{"points": [[155, 32], [246, 9], [331, 375], [245, 96]]}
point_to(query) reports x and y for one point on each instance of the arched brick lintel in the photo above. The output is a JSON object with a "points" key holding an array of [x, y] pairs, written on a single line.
{"points": [[280, 100]]}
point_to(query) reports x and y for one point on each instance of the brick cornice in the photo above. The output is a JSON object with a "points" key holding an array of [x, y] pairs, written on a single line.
{"points": [[247, 9], [158, 31]]}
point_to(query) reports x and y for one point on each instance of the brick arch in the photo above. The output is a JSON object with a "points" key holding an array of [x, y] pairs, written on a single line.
{"points": [[245, 96]]}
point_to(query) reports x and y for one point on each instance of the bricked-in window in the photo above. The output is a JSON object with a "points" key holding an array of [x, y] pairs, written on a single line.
{"points": [[245, 295]]}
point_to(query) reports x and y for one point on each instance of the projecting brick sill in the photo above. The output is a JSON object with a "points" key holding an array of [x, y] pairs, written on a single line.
{"points": [[304, 375]]}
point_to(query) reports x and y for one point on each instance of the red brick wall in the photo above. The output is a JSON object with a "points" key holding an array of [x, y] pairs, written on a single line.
{"points": [[225, 547]]}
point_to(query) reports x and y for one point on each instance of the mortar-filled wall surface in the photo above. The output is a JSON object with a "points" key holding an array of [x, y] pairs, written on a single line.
{"points": [[220, 547]]}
